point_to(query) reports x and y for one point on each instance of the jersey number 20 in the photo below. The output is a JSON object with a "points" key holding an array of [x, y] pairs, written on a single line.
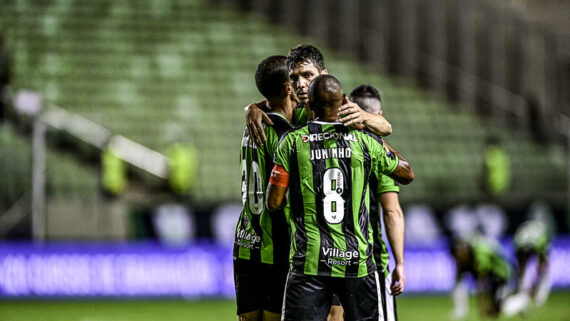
{"points": [[333, 203]]}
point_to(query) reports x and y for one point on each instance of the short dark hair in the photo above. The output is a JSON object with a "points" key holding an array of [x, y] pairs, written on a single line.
{"points": [[365, 91], [324, 91], [303, 54], [270, 75], [364, 96]]}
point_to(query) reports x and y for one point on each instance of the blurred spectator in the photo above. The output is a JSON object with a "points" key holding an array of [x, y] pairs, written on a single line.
{"points": [[183, 161], [497, 167]]}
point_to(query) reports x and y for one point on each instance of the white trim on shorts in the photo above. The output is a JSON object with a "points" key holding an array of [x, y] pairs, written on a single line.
{"points": [[379, 297], [389, 298]]}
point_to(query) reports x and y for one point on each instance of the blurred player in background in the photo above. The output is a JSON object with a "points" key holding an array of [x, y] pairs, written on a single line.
{"points": [[329, 166], [306, 62], [261, 247], [483, 259], [369, 99], [533, 239]]}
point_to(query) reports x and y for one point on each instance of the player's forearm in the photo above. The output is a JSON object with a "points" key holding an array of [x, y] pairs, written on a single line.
{"points": [[403, 173], [276, 197], [377, 124], [394, 220]]}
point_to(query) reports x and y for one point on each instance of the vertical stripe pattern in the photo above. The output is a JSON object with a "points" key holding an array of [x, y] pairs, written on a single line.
{"points": [[329, 166]]}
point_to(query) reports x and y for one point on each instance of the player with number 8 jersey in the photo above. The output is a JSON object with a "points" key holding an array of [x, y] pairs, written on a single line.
{"points": [[329, 167], [326, 167]]}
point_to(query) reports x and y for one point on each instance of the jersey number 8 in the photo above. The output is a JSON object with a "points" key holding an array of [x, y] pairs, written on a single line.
{"points": [[333, 203]]}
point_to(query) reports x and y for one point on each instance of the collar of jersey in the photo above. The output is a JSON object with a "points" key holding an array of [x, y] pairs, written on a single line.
{"points": [[278, 114], [326, 123]]}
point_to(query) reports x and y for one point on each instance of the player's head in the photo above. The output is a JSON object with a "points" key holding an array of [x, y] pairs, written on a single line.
{"points": [[272, 78], [368, 98], [304, 63], [325, 94], [461, 251]]}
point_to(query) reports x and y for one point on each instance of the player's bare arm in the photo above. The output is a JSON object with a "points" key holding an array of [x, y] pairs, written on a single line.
{"points": [[276, 194], [276, 197], [403, 173], [394, 222], [352, 115], [254, 118]]}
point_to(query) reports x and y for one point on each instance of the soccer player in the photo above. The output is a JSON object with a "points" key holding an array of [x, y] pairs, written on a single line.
{"points": [[369, 99], [482, 258], [532, 238], [329, 166], [305, 62], [261, 247]]}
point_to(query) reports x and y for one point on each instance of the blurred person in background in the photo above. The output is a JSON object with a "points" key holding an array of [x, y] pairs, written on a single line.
{"points": [[497, 171], [386, 191], [261, 247], [485, 261], [329, 208], [306, 62], [533, 239]]}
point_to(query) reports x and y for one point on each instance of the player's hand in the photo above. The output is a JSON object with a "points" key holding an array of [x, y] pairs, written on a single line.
{"points": [[398, 280], [352, 115], [254, 117]]}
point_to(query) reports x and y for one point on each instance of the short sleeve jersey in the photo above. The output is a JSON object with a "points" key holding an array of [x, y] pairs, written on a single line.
{"points": [[261, 236], [330, 166], [488, 259]]}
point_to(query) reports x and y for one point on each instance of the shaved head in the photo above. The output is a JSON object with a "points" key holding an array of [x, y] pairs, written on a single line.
{"points": [[325, 93]]}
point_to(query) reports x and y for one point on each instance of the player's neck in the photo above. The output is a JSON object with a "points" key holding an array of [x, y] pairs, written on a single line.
{"points": [[329, 115], [282, 106]]}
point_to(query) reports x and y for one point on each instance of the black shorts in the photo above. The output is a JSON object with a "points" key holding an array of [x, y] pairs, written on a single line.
{"points": [[310, 297], [387, 300], [259, 286]]}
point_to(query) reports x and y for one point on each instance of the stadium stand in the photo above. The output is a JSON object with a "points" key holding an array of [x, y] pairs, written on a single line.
{"points": [[158, 72]]}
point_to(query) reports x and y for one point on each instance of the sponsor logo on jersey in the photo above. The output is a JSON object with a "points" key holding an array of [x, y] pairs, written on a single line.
{"points": [[328, 135], [334, 256], [247, 240]]}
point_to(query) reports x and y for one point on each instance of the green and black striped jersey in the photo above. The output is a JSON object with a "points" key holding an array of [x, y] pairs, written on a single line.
{"points": [[384, 185], [261, 236], [329, 166], [488, 258]]}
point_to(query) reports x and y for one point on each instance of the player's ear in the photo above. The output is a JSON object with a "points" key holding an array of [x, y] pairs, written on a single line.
{"points": [[287, 88]]}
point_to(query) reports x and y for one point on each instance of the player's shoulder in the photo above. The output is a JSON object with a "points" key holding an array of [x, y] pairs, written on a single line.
{"points": [[292, 133], [280, 124], [367, 137]]}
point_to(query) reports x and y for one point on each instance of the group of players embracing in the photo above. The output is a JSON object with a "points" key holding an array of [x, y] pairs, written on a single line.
{"points": [[308, 242]]}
